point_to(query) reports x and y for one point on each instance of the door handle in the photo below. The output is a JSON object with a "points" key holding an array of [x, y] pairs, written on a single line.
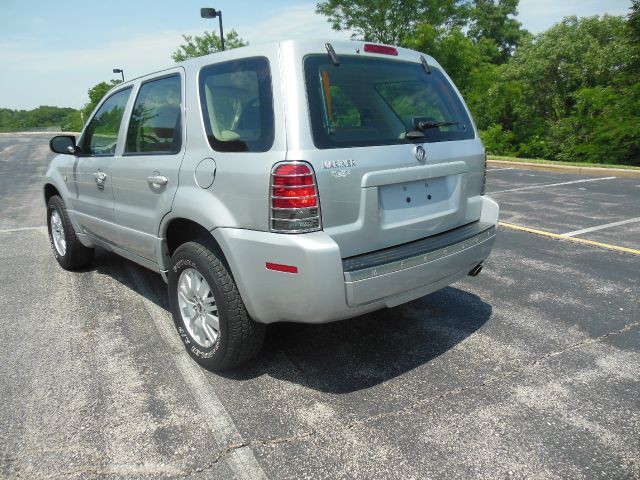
{"points": [[100, 177], [157, 181]]}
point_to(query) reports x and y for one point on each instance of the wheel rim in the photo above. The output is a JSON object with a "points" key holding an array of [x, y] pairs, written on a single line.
{"points": [[198, 308], [57, 232]]}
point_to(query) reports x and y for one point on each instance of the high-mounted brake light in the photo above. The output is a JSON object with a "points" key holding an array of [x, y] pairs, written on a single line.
{"points": [[383, 49], [295, 206]]}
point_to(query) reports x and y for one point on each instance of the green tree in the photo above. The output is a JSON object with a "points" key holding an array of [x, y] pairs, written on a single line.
{"points": [[493, 26], [567, 95], [96, 93], [633, 21], [574, 54], [457, 54], [392, 21], [41, 117], [603, 126], [72, 122], [633, 37], [197, 46]]}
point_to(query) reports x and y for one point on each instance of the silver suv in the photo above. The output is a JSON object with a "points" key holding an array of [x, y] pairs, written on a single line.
{"points": [[298, 181]]}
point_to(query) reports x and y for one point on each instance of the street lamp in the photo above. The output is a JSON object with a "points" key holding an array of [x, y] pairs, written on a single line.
{"points": [[213, 13], [119, 70]]}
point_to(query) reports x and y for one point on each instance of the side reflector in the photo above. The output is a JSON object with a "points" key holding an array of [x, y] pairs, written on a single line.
{"points": [[281, 268], [383, 49]]}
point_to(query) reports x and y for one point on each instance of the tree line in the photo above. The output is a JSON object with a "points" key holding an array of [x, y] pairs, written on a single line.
{"points": [[41, 117], [46, 117]]}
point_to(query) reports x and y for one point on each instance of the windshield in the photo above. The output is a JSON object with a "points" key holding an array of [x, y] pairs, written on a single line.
{"points": [[371, 101]]}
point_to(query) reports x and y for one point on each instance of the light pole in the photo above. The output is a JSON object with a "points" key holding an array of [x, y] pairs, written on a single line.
{"points": [[119, 70], [213, 13]]}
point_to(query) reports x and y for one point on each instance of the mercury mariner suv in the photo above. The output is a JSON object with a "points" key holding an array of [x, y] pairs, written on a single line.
{"points": [[300, 181]]}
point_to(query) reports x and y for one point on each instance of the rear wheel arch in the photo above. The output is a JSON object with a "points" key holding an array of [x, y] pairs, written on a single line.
{"points": [[179, 231]]}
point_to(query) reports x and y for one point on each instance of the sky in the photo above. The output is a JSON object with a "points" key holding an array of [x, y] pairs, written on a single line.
{"points": [[52, 52]]}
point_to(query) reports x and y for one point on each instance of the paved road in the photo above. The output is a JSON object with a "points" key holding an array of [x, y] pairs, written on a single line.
{"points": [[530, 370]]}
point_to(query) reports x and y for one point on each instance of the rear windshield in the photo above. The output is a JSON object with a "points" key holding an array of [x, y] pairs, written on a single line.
{"points": [[371, 101]]}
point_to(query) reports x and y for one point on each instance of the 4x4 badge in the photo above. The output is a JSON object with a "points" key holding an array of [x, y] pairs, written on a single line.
{"points": [[420, 153]]}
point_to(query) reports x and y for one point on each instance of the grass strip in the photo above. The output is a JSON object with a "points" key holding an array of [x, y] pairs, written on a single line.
{"points": [[555, 162]]}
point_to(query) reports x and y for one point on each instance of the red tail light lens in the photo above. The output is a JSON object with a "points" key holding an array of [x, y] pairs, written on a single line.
{"points": [[293, 180], [292, 169], [383, 49], [304, 202], [295, 191], [295, 207]]}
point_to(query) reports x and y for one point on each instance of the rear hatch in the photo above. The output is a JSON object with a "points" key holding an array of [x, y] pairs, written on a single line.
{"points": [[396, 156]]}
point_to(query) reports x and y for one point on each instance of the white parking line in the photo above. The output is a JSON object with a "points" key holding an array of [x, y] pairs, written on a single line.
{"points": [[240, 459], [601, 227], [499, 169], [543, 185], [23, 229]]}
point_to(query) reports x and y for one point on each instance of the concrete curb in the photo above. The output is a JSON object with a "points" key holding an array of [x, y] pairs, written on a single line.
{"points": [[595, 171]]}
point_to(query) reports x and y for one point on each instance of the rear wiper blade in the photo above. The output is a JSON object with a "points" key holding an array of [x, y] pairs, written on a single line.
{"points": [[426, 124]]}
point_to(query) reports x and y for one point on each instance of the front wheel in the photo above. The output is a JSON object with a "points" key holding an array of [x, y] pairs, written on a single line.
{"points": [[68, 250], [207, 308]]}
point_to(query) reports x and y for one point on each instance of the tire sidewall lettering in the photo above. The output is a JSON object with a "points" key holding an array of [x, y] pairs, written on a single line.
{"points": [[184, 263]]}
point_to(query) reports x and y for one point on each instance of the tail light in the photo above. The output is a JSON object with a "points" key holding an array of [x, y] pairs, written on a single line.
{"points": [[295, 204], [484, 175]]}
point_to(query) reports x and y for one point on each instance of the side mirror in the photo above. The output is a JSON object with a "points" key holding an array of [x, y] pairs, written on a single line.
{"points": [[65, 144]]}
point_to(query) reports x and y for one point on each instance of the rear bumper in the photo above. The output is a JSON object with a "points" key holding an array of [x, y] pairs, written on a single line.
{"points": [[399, 270], [328, 288]]}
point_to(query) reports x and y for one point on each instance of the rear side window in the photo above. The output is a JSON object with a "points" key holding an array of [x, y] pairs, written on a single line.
{"points": [[101, 135], [154, 127], [237, 105], [369, 101]]}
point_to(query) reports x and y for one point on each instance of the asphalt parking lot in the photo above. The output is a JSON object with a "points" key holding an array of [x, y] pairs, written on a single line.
{"points": [[530, 370]]}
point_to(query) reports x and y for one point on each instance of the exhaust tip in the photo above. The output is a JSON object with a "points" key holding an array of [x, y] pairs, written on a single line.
{"points": [[475, 271]]}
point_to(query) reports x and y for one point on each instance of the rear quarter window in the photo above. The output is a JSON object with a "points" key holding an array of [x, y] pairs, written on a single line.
{"points": [[237, 105], [369, 101]]}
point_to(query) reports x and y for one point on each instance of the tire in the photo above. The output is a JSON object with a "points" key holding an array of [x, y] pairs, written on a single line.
{"points": [[69, 252], [201, 288]]}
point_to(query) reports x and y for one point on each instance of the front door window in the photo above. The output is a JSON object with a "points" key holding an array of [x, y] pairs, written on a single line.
{"points": [[101, 135]]}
